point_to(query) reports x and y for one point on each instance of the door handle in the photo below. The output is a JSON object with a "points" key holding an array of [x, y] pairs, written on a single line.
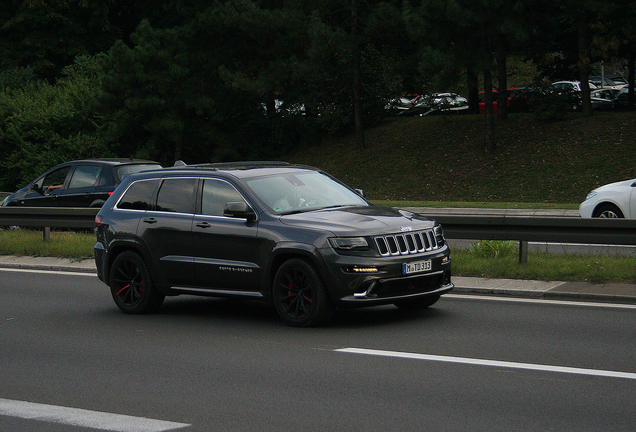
{"points": [[203, 225], [150, 220]]}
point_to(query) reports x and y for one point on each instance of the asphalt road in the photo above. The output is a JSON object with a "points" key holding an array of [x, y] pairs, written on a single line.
{"points": [[70, 361]]}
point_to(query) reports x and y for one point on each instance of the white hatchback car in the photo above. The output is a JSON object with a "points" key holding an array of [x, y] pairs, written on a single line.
{"points": [[614, 200]]}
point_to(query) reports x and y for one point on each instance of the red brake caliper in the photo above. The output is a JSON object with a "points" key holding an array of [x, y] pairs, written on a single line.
{"points": [[123, 289]]}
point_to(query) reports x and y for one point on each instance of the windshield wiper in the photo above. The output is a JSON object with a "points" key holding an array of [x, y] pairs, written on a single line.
{"points": [[311, 209]]}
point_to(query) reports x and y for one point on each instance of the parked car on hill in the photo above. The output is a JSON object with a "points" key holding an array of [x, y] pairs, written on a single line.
{"points": [[570, 85], [621, 99], [80, 183], [603, 99], [572, 90], [437, 103], [290, 235], [614, 200], [517, 101], [605, 82]]}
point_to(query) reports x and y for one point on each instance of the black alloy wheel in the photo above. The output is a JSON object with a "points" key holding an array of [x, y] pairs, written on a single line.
{"points": [[299, 295], [131, 286]]}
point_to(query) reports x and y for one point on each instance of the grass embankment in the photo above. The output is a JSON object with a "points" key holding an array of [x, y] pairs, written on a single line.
{"points": [[63, 244], [500, 259], [442, 158]]}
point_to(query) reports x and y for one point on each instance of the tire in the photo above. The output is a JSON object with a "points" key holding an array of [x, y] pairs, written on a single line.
{"points": [[131, 286], [417, 304], [299, 295], [608, 211]]}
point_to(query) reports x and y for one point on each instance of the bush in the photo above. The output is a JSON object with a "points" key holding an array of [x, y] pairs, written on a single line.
{"points": [[550, 105], [494, 248]]}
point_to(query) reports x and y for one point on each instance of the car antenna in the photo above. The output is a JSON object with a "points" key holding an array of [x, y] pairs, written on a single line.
{"points": [[179, 163]]}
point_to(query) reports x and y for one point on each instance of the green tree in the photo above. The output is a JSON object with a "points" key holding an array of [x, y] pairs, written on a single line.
{"points": [[47, 36], [478, 28], [43, 124]]}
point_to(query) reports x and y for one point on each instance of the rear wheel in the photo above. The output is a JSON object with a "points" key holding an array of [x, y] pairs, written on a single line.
{"points": [[299, 295], [608, 211], [131, 287], [417, 304]]}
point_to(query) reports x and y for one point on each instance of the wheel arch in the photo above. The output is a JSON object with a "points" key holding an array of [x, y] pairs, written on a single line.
{"points": [[308, 253], [605, 204], [117, 248]]}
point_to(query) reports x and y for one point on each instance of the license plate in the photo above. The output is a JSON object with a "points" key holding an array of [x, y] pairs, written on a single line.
{"points": [[416, 267]]}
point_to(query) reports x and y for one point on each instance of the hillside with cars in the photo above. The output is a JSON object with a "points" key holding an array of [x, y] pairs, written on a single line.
{"points": [[441, 158]]}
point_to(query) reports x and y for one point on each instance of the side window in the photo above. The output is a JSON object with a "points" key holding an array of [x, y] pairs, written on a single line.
{"points": [[138, 196], [85, 176], [53, 180], [176, 195], [217, 193]]}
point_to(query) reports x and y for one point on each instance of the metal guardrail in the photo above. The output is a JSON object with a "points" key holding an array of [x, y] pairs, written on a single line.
{"points": [[538, 229], [456, 226], [48, 217]]}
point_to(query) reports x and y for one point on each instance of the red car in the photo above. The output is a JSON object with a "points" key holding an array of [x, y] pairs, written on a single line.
{"points": [[516, 101]]}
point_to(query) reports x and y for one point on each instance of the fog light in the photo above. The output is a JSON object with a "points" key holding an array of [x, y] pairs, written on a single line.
{"points": [[356, 269]]}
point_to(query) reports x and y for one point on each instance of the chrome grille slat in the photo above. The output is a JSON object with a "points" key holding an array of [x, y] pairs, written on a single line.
{"points": [[407, 243]]}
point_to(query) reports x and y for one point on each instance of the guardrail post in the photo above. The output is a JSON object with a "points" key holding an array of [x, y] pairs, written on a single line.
{"points": [[523, 252], [47, 234]]}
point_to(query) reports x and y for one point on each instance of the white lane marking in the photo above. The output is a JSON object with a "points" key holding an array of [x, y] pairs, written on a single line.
{"points": [[487, 297], [56, 272], [490, 363], [84, 418]]}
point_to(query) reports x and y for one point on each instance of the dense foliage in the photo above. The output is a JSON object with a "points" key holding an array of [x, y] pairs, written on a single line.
{"points": [[252, 79]]}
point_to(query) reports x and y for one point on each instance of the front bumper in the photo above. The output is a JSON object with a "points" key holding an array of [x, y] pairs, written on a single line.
{"points": [[388, 283]]}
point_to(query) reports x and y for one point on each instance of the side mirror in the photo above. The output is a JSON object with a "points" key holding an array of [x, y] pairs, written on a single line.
{"points": [[239, 210], [37, 189], [360, 192]]}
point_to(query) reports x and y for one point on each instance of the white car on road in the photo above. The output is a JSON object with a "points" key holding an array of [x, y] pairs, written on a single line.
{"points": [[614, 200]]}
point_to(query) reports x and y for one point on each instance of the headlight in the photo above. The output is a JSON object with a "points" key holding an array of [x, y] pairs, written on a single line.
{"points": [[439, 235], [349, 243], [590, 195]]}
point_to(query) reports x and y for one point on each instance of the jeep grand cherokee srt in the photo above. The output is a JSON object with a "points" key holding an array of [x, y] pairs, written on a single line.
{"points": [[288, 234]]}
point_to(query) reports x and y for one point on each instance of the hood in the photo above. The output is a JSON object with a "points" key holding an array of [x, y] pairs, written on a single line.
{"points": [[617, 185], [359, 221]]}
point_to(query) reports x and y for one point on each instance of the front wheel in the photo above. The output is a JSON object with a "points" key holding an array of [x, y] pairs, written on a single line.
{"points": [[131, 287], [608, 211], [299, 295]]}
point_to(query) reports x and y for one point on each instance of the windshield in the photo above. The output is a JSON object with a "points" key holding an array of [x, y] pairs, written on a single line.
{"points": [[291, 193]]}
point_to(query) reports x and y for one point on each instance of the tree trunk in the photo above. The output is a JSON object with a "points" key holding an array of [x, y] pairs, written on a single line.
{"points": [[502, 81], [489, 145], [472, 81], [631, 63], [357, 81], [584, 65], [490, 118]]}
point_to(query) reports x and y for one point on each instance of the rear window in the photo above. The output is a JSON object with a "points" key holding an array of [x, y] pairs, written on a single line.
{"points": [[124, 170], [85, 176], [138, 196], [176, 195]]}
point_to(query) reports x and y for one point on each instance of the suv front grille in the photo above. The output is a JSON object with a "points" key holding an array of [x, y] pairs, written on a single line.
{"points": [[407, 243]]}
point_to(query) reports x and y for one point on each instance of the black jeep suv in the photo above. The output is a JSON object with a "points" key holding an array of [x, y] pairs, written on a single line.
{"points": [[288, 234]]}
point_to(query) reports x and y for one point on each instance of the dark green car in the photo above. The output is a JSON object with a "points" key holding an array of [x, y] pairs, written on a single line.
{"points": [[79, 183]]}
